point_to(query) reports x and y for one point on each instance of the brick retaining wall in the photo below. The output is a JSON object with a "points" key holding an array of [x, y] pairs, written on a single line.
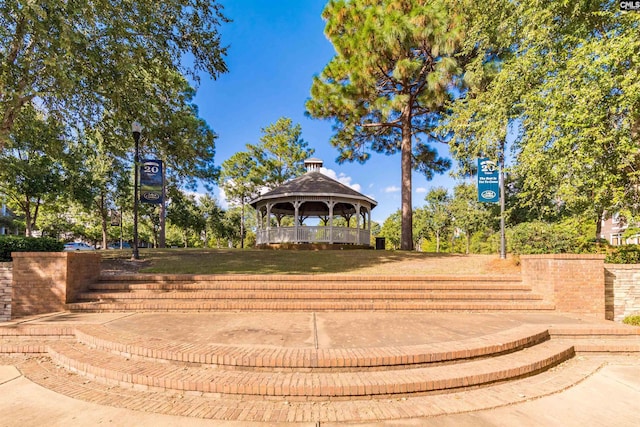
{"points": [[622, 290], [574, 283], [43, 282], [5, 291]]}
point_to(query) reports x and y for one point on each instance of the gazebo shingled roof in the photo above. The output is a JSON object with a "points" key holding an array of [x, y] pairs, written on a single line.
{"points": [[311, 184]]}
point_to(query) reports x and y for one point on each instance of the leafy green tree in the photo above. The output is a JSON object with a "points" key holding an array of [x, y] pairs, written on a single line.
{"points": [[231, 226], [183, 213], [389, 83], [31, 166], [438, 213], [212, 214], [391, 230], [84, 59], [281, 153], [468, 214], [421, 229], [564, 77], [241, 181], [98, 179]]}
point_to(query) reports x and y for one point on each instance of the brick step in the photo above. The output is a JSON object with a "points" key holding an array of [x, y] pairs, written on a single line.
{"points": [[623, 345], [37, 332], [305, 278], [316, 285], [604, 330], [307, 295], [271, 411], [110, 368], [604, 338], [252, 357], [13, 346], [32, 339], [309, 305]]}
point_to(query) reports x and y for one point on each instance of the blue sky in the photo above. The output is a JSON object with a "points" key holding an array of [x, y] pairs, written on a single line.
{"points": [[275, 49]]}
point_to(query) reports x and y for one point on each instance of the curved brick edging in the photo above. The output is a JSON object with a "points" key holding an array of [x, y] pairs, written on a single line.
{"points": [[128, 344], [270, 411], [114, 369]]}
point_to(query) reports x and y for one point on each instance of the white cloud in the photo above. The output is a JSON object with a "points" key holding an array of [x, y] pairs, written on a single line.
{"points": [[342, 178], [222, 199], [420, 190], [392, 189]]}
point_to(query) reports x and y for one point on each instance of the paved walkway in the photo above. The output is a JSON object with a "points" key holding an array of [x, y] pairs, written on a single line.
{"points": [[606, 393]]}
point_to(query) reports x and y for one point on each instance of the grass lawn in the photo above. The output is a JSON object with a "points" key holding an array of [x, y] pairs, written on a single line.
{"points": [[255, 261]]}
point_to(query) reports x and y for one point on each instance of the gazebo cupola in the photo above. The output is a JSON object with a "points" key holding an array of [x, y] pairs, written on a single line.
{"points": [[283, 212], [313, 164]]}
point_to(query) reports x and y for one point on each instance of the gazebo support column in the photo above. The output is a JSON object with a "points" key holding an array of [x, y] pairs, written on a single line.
{"points": [[331, 204], [358, 223], [268, 228], [296, 220]]}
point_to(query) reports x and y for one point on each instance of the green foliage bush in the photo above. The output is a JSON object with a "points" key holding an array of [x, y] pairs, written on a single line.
{"points": [[485, 242], [539, 237], [10, 244], [626, 254], [632, 320]]}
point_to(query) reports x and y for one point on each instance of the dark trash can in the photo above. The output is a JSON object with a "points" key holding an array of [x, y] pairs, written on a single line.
{"points": [[380, 243]]}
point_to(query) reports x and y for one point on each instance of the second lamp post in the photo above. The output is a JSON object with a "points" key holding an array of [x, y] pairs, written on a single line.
{"points": [[136, 128]]}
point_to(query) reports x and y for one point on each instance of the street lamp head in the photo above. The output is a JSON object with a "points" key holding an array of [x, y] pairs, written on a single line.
{"points": [[136, 128]]}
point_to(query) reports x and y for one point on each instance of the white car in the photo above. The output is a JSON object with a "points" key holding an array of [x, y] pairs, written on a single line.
{"points": [[78, 246]]}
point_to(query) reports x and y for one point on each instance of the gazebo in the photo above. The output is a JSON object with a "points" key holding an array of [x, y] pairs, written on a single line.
{"points": [[313, 195]]}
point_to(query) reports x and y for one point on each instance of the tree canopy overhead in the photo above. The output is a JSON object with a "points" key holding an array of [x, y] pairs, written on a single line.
{"points": [[79, 60], [387, 86], [565, 76], [281, 153]]}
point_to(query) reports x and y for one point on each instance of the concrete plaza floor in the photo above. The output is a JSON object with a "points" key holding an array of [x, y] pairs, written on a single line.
{"points": [[608, 396]]}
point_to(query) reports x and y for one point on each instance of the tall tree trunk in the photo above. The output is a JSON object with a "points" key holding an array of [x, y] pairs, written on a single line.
{"points": [[599, 223], [27, 218], [104, 214], [406, 240], [162, 238], [34, 218], [437, 241], [242, 226]]}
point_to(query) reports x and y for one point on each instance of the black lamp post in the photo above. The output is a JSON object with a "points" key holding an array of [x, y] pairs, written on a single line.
{"points": [[136, 128]]}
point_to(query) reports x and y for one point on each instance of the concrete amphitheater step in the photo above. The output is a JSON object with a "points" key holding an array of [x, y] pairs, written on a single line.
{"points": [[115, 369]]}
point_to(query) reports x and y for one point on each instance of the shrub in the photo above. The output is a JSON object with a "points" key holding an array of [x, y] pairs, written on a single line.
{"points": [[538, 237], [626, 254], [10, 244], [632, 320]]}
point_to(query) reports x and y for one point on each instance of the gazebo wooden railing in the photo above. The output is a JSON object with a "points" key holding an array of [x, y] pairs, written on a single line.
{"points": [[313, 234]]}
